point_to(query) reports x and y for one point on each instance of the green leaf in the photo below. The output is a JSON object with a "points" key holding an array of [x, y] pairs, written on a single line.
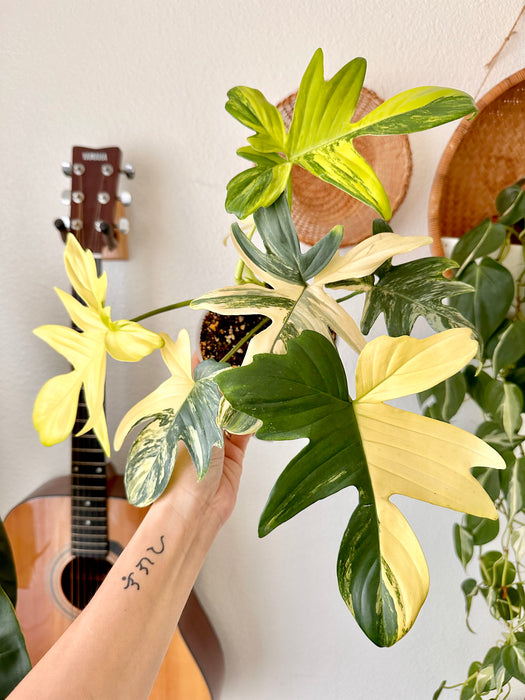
{"points": [[496, 570], [480, 241], [515, 491], [470, 590], [489, 479], [508, 605], [283, 258], [7, 566], [152, 456], [439, 690], [517, 540], [482, 530], [517, 374], [493, 294], [492, 675], [322, 131], [512, 407], [511, 204], [413, 289], [444, 400], [502, 401], [488, 350], [14, 659], [514, 660], [381, 569], [508, 196], [463, 542], [468, 692], [492, 433], [510, 348]]}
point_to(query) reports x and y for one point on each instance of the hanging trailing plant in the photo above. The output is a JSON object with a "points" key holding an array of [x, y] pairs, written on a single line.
{"points": [[493, 550]]}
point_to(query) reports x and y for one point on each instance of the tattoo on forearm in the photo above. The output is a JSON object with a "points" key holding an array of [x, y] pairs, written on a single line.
{"points": [[152, 549], [130, 581]]}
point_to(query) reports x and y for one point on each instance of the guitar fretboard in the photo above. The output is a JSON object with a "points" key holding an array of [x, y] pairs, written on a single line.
{"points": [[89, 526]]}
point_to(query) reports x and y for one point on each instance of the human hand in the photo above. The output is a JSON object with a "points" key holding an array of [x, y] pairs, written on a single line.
{"points": [[217, 491]]}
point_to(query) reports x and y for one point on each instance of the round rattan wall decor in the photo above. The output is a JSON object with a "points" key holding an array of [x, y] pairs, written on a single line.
{"points": [[483, 156], [317, 206]]}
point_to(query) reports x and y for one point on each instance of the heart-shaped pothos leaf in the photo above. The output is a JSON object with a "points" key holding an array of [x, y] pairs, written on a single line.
{"points": [[365, 443]]}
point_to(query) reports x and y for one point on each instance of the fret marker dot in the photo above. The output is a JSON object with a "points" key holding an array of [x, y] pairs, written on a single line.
{"points": [[99, 470], [87, 522], [87, 503]]}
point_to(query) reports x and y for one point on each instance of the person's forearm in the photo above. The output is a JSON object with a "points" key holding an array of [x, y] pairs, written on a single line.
{"points": [[127, 627]]}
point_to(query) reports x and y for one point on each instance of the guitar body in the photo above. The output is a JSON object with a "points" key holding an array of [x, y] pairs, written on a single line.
{"points": [[40, 534]]}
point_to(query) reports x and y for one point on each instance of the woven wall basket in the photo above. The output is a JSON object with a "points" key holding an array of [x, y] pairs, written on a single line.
{"points": [[317, 206], [483, 156]]}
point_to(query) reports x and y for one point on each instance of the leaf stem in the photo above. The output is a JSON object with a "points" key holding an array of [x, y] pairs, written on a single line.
{"points": [[162, 310], [245, 339], [349, 296]]}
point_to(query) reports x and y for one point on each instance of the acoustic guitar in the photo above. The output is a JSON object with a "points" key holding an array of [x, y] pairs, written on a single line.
{"points": [[67, 534]]}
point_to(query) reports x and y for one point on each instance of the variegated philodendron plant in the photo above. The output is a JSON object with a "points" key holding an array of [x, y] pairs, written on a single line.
{"points": [[293, 383]]}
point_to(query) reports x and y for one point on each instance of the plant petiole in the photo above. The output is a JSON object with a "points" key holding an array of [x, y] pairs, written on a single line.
{"points": [[162, 310]]}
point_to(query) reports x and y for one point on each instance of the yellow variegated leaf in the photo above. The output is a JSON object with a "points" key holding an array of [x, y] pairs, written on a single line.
{"points": [[423, 458], [93, 379], [379, 449], [252, 109], [55, 407], [67, 342], [322, 132], [367, 256], [382, 573], [339, 164], [85, 317], [392, 367], [416, 109], [128, 341], [323, 109], [171, 394], [86, 350], [82, 272]]}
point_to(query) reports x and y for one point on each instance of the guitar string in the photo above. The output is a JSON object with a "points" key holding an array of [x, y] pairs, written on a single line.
{"points": [[78, 569], [88, 577], [75, 575]]}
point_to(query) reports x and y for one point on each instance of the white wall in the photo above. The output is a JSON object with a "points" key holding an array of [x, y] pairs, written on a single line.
{"points": [[152, 78]]}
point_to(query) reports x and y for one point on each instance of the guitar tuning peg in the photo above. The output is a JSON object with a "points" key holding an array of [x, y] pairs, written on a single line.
{"points": [[129, 171], [65, 197], [123, 226], [106, 229], [66, 168], [125, 198], [62, 225]]}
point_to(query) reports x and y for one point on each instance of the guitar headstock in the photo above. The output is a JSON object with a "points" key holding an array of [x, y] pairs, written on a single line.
{"points": [[96, 216]]}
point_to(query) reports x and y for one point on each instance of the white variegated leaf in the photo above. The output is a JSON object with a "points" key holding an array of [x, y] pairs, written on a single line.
{"points": [[153, 454]]}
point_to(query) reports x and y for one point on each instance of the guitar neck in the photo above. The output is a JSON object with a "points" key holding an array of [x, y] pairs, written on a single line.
{"points": [[89, 509], [94, 211], [89, 515]]}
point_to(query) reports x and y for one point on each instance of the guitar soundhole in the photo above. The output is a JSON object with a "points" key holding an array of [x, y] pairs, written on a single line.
{"points": [[82, 577]]}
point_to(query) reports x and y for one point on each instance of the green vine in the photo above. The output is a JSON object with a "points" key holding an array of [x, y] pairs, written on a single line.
{"points": [[497, 386]]}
